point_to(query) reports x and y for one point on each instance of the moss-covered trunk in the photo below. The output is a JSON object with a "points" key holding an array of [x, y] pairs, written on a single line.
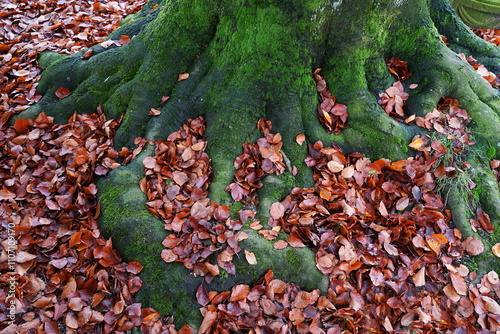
{"points": [[254, 59]]}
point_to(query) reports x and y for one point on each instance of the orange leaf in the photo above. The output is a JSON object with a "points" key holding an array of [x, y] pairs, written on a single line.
{"points": [[433, 244], [496, 249], [300, 139], [183, 76], [239, 292], [21, 125], [62, 92], [87, 54], [451, 293], [416, 144], [458, 283], [154, 112], [124, 40]]}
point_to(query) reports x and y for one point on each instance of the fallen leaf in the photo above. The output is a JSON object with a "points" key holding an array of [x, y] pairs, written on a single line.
{"points": [[154, 112], [183, 76], [277, 210], [416, 144], [280, 244], [458, 283], [300, 139], [496, 249], [419, 277], [250, 257], [335, 166], [62, 92]]}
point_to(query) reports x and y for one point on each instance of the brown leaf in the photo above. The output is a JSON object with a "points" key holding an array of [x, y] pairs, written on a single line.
{"points": [[168, 255], [302, 300], [154, 112], [419, 277], [202, 295], [134, 267], [473, 245], [277, 210], [451, 293], [208, 321], [491, 305], [239, 292], [250, 257], [335, 166], [296, 316], [280, 244], [458, 283]]}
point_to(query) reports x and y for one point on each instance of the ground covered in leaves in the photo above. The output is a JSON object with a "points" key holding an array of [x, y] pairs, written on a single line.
{"points": [[379, 230]]}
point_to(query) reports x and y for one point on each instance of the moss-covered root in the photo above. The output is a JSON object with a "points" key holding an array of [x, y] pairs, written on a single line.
{"points": [[459, 201], [461, 38], [137, 235]]}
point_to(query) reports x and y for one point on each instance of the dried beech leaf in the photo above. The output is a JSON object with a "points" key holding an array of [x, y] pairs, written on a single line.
{"points": [[183, 76], [496, 249], [62, 92], [250, 257], [419, 277], [277, 210], [458, 283]]}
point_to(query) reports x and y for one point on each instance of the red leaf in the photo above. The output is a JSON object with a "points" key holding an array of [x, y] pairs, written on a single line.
{"points": [[300, 139], [134, 267], [62, 92], [21, 125]]}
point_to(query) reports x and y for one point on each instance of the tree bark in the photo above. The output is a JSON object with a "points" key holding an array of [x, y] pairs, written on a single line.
{"points": [[254, 59]]}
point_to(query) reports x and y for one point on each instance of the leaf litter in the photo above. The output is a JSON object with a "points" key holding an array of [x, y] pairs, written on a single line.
{"points": [[380, 232]]}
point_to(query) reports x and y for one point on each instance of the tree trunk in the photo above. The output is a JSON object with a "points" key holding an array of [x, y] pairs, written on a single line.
{"points": [[254, 59]]}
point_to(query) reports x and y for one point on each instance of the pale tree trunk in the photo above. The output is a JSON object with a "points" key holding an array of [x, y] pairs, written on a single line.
{"points": [[249, 60]]}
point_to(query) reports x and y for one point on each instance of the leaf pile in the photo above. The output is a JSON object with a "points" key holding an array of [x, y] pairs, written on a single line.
{"points": [[398, 68], [333, 116], [385, 240], [176, 185], [257, 160], [269, 306], [492, 78], [29, 27], [490, 35], [393, 101], [69, 278]]}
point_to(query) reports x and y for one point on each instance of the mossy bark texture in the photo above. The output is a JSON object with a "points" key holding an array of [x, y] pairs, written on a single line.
{"points": [[252, 59]]}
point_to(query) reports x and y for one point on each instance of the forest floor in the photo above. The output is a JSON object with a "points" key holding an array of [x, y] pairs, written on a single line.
{"points": [[380, 230]]}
